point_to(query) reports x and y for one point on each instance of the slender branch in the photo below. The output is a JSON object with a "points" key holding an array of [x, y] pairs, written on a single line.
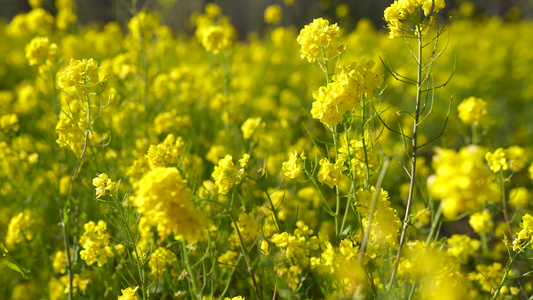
{"points": [[413, 159]]}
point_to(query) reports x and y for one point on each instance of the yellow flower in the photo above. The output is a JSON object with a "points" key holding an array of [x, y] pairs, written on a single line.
{"points": [[95, 243], [519, 197], [103, 184], [19, 228], [224, 174], [461, 180], [243, 162], [316, 36], [79, 73], [9, 122], [472, 110], [348, 85], [273, 14], [330, 173], [462, 247], [513, 158], [481, 222], [402, 10], [40, 52], [294, 166], [265, 248], [128, 294], [163, 196], [159, 259], [250, 126]]}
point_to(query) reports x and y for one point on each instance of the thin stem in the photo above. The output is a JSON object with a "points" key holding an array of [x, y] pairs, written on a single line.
{"points": [[507, 269], [189, 269], [126, 227], [246, 258], [413, 157], [372, 208]]}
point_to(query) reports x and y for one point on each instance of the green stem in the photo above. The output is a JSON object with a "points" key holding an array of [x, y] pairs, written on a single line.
{"points": [[507, 269], [414, 155], [126, 228], [246, 258], [189, 270]]}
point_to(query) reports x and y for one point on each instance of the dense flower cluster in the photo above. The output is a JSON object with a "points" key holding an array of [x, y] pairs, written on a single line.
{"points": [[318, 36], [164, 197], [9, 122], [472, 110], [159, 259], [103, 183], [213, 31], [20, 228], [513, 158], [331, 173], [95, 243], [40, 52], [403, 10], [80, 74], [294, 166], [462, 181], [385, 223], [481, 222], [225, 174], [525, 233], [348, 85], [273, 14]]}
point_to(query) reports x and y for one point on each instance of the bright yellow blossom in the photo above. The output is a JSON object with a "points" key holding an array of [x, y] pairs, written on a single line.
{"points": [[273, 14], [472, 110], [128, 294], [316, 36]]}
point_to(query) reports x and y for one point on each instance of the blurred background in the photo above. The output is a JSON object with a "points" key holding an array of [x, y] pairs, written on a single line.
{"points": [[247, 15]]}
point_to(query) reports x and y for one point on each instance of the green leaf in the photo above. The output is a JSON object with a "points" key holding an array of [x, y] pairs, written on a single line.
{"points": [[17, 268]]}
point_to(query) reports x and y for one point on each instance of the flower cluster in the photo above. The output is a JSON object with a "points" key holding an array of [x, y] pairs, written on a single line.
{"points": [[385, 221], [272, 14], [213, 31], [80, 74], [402, 10], [95, 243], [251, 126], [166, 153], [488, 276], [349, 84], [513, 158], [128, 294], [20, 228], [472, 110], [249, 227], [40, 52], [525, 233], [318, 36], [159, 259], [103, 183], [361, 156], [481, 222], [9, 122], [294, 166], [225, 174], [163, 197], [462, 246], [69, 133], [331, 173], [461, 180]]}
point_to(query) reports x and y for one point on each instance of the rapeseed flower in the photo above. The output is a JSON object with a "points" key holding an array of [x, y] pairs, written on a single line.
{"points": [[472, 110], [461, 180], [316, 36]]}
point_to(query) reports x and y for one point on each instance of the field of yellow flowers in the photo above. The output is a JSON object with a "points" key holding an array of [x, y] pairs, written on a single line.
{"points": [[138, 162]]}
